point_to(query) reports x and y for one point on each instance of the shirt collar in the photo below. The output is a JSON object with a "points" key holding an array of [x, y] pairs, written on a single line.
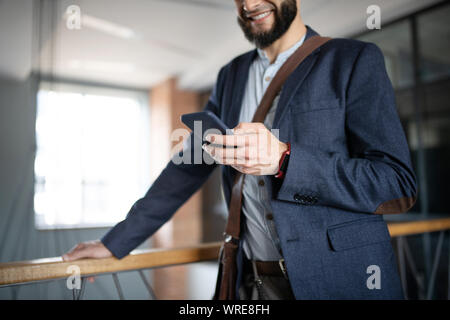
{"points": [[283, 56]]}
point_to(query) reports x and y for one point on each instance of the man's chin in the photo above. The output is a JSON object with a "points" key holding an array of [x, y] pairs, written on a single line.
{"points": [[261, 30]]}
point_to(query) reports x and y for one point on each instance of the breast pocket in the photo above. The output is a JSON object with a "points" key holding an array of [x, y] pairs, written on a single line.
{"points": [[298, 106], [316, 123]]}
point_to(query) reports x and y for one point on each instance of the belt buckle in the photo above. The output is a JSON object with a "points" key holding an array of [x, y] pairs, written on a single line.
{"points": [[283, 267]]}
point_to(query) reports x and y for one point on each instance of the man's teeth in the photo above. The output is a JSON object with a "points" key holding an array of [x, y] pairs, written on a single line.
{"points": [[262, 15]]}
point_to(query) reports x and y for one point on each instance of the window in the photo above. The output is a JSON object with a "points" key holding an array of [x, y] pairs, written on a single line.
{"points": [[396, 43], [434, 95], [434, 45], [91, 157]]}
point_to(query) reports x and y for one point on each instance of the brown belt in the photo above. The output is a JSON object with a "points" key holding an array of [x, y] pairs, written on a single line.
{"points": [[267, 268]]}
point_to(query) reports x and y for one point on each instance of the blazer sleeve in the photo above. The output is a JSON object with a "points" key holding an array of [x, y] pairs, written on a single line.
{"points": [[376, 176], [175, 185]]}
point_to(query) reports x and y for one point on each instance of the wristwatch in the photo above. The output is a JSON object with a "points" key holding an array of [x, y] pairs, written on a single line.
{"points": [[282, 167]]}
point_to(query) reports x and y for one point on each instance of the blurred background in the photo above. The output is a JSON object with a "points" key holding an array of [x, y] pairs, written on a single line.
{"points": [[91, 90]]}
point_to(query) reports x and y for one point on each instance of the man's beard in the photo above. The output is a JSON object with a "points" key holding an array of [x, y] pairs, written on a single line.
{"points": [[283, 21]]}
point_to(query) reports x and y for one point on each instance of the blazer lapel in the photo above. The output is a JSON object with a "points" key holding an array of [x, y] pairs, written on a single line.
{"points": [[295, 81]]}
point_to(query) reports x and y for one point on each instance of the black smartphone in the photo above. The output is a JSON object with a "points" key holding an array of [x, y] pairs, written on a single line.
{"points": [[201, 122]]}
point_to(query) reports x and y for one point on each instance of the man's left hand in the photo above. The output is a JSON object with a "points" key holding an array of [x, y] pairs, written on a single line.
{"points": [[252, 149]]}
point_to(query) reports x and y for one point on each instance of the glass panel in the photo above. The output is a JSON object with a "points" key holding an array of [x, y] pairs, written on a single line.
{"points": [[434, 46], [434, 42], [396, 43]]}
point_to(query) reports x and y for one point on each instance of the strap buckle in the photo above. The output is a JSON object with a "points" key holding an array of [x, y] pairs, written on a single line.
{"points": [[228, 238], [283, 267]]}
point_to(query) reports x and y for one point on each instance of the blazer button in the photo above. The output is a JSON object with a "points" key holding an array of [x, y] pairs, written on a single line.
{"points": [[269, 216]]}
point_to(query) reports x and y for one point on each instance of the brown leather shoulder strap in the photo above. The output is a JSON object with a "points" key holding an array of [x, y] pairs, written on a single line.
{"points": [[283, 73]]}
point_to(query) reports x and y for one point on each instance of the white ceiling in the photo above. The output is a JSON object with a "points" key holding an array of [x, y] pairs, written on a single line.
{"points": [[190, 39]]}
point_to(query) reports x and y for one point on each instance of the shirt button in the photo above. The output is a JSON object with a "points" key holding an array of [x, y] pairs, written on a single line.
{"points": [[261, 183], [269, 216], [267, 78]]}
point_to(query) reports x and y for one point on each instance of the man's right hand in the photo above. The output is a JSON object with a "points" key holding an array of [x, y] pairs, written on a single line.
{"points": [[89, 249]]}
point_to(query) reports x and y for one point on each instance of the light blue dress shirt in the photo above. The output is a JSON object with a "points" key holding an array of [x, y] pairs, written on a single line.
{"points": [[260, 241]]}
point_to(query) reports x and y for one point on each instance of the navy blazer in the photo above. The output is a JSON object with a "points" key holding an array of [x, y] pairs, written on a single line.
{"points": [[349, 164]]}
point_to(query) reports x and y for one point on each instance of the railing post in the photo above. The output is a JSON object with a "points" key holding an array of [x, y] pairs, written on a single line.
{"points": [[402, 265], [118, 287], [77, 294], [417, 276], [147, 285], [437, 257], [448, 279]]}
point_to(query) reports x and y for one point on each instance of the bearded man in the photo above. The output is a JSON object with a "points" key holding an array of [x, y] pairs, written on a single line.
{"points": [[316, 230]]}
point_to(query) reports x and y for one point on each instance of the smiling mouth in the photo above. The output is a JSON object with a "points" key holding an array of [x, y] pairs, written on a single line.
{"points": [[260, 16]]}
